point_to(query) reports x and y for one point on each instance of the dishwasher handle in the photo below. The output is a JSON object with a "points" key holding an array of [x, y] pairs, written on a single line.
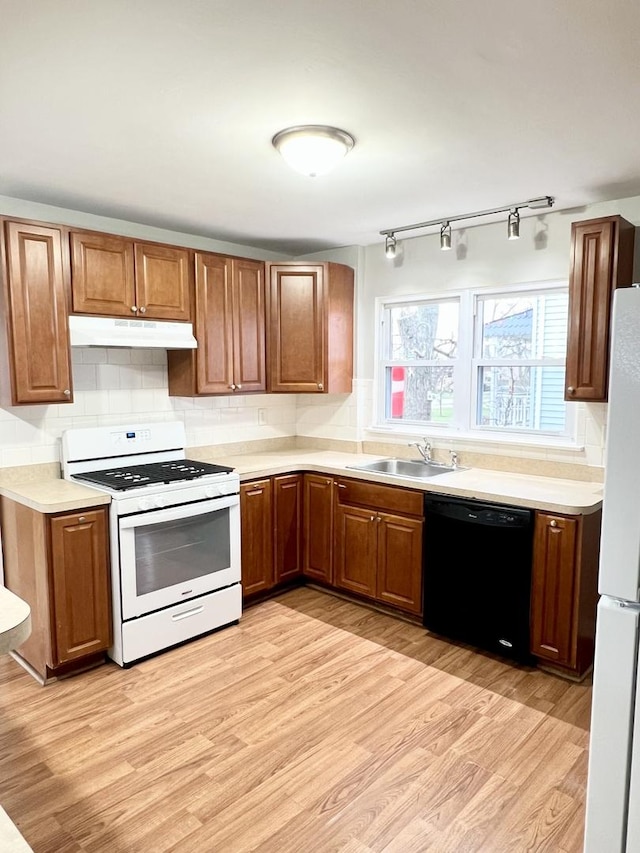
{"points": [[488, 515]]}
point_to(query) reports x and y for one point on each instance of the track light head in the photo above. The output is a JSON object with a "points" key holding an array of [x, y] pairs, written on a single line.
{"points": [[445, 237], [390, 246], [513, 225]]}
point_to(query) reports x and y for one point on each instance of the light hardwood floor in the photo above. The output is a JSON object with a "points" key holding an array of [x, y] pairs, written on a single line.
{"points": [[314, 725]]}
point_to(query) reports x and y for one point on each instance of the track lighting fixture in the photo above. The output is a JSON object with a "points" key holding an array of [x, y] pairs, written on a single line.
{"points": [[390, 246], [445, 236], [513, 225], [513, 222]]}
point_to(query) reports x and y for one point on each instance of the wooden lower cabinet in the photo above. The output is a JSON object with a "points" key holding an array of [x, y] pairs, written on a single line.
{"points": [[356, 550], [378, 554], [564, 589], [317, 535], [271, 531], [256, 536], [59, 565], [287, 527]]}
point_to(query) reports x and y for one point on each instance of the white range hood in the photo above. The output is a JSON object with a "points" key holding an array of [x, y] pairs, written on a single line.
{"points": [[121, 332]]}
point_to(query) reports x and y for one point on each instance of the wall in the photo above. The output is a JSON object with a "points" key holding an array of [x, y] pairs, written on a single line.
{"points": [[115, 386], [481, 257]]}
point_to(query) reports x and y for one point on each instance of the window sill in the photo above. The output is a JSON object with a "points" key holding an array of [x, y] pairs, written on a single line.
{"points": [[485, 438]]}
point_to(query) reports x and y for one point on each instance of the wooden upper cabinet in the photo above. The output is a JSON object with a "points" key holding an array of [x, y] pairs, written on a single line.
{"points": [[230, 328], [601, 260], [310, 327], [163, 281], [115, 277], [36, 288]]}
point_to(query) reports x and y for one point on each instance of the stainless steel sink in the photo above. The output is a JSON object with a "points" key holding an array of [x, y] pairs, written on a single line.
{"points": [[413, 469]]}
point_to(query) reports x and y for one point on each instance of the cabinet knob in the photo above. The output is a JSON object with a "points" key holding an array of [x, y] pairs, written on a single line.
{"points": [[378, 518], [232, 386], [238, 387], [81, 519], [571, 390], [143, 310], [328, 482], [553, 523], [373, 518], [134, 309], [67, 392], [320, 386]]}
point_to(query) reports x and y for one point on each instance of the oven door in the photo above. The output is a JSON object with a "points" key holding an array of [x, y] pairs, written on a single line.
{"points": [[171, 555]]}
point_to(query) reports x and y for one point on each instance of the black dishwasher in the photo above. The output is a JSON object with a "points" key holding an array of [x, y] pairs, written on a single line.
{"points": [[477, 574]]}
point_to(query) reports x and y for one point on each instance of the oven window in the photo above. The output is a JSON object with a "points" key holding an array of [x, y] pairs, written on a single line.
{"points": [[177, 551]]}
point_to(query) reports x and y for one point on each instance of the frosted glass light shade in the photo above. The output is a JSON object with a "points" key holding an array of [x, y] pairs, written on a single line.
{"points": [[313, 149]]}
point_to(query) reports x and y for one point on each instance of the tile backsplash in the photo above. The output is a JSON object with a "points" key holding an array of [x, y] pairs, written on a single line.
{"points": [[116, 386]]}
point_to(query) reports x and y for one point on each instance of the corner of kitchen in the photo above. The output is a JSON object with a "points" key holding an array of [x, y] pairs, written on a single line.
{"points": [[319, 515]]}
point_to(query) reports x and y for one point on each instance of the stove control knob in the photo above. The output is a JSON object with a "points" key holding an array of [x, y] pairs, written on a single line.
{"points": [[210, 492], [144, 504], [160, 502]]}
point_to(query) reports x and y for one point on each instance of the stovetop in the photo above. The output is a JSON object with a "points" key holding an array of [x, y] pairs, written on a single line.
{"points": [[123, 478]]}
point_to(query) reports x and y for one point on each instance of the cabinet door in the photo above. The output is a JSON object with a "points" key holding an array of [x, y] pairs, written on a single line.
{"points": [[257, 537], [163, 282], [399, 580], [80, 584], [601, 260], [249, 368], [287, 527], [296, 328], [103, 275], [553, 589], [214, 325], [38, 334], [318, 527], [355, 552]]}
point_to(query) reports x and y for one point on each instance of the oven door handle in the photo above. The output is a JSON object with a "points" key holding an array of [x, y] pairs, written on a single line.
{"points": [[186, 613], [174, 513]]}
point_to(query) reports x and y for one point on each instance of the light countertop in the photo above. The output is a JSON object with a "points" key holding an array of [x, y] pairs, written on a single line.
{"points": [[15, 621], [571, 497]]}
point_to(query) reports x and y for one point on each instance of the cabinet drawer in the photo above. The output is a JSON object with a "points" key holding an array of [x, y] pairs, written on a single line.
{"points": [[379, 497]]}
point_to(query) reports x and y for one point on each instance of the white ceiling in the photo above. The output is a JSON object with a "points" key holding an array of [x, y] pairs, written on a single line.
{"points": [[162, 112]]}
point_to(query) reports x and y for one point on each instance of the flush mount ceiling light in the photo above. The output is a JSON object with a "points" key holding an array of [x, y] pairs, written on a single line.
{"points": [[513, 224], [445, 237], [313, 149]]}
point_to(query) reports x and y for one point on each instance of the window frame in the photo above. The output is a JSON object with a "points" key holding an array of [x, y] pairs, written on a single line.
{"points": [[466, 371]]}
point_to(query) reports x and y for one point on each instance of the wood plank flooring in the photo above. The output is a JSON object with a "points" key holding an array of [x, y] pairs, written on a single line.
{"points": [[314, 725]]}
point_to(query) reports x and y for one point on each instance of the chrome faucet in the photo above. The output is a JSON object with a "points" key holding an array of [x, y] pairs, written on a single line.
{"points": [[424, 448], [453, 458]]}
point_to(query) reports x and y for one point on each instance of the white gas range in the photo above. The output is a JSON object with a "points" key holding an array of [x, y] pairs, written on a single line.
{"points": [[174, 534]]}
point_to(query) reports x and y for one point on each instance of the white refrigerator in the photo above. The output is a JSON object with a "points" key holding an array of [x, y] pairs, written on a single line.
{"points": [[613, 789]]}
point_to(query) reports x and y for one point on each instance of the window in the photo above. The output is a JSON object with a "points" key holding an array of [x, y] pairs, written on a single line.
{"points": [[475, 361]]}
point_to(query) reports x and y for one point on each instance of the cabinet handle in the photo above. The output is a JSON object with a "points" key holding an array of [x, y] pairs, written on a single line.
{"points": [[571, 390], [134, 309], [341, 486], [143, 310], [320, 386], [232, 386], [81, 519], [553, 523], [255, 492], [67, 392]]}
